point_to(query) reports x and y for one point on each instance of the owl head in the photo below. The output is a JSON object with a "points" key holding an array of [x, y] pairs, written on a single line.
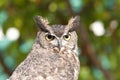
{"points": [[57, 37]]}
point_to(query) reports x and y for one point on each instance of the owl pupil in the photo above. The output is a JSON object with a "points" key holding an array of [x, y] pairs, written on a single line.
{"points": [[50, 37], [66, 36]]}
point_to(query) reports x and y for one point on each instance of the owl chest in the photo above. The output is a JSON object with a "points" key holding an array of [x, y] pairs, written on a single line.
{"points": [[64, 66], [50, 66]]}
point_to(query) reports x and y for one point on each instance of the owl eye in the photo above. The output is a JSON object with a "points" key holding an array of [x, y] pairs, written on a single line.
{"points": [[49, 37], [67, 37]]}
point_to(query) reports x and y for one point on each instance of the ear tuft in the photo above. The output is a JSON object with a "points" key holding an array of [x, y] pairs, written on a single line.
{"points": [[41, 19], [73, 23], [41, 23]]}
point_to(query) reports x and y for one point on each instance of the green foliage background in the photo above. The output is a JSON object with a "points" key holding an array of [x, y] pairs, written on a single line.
{"points": [[20, 14]]}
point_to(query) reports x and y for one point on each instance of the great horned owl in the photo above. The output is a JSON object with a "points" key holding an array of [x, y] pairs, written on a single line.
{"points": [[54, 54]]}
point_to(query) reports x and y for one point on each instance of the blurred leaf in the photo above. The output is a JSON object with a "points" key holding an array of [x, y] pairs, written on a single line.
{"points": [[76, 5], [2, 2], [105, 62], [113, 61], [25, 47], [10, 63], [3, 76], [109, 3], [84, 73], [4, 44], [98, 74], [3, 17]]}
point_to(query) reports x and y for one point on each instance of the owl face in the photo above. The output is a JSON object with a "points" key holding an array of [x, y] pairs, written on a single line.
{"points": [[58, 37]]}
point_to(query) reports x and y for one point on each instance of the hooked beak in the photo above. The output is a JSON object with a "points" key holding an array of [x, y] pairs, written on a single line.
{"points": [[59, 45]]}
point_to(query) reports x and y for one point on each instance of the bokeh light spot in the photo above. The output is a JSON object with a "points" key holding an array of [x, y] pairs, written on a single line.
{"points": [[98, 28], [12, 34], [52, 7]]}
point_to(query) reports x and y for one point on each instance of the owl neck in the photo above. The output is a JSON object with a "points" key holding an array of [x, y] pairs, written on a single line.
{"points": [[37, 44]]}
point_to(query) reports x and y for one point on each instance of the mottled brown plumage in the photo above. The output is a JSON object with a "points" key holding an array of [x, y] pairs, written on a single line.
{"points": [[54, 54]]}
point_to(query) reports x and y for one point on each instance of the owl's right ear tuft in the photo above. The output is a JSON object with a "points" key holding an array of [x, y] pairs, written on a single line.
{"points": [[73, 23], [41, 23]]}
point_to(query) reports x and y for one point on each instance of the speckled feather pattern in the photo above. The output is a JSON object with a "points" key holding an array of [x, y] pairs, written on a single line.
{"points": [[47, 65], [45, 62]]}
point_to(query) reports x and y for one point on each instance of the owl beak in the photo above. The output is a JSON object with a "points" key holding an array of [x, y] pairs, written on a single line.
{"points": [[59, 45]]}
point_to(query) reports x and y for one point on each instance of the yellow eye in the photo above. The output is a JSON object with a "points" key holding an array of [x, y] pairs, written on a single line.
{"points": [[67, 37], [49, 37]]}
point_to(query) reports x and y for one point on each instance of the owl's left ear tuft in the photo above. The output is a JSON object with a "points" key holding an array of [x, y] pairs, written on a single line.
{"points": [[41, 23], [73, 23]]}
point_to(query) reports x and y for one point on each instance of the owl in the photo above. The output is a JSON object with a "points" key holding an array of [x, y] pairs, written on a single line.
{"points": [[54, 54]]}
